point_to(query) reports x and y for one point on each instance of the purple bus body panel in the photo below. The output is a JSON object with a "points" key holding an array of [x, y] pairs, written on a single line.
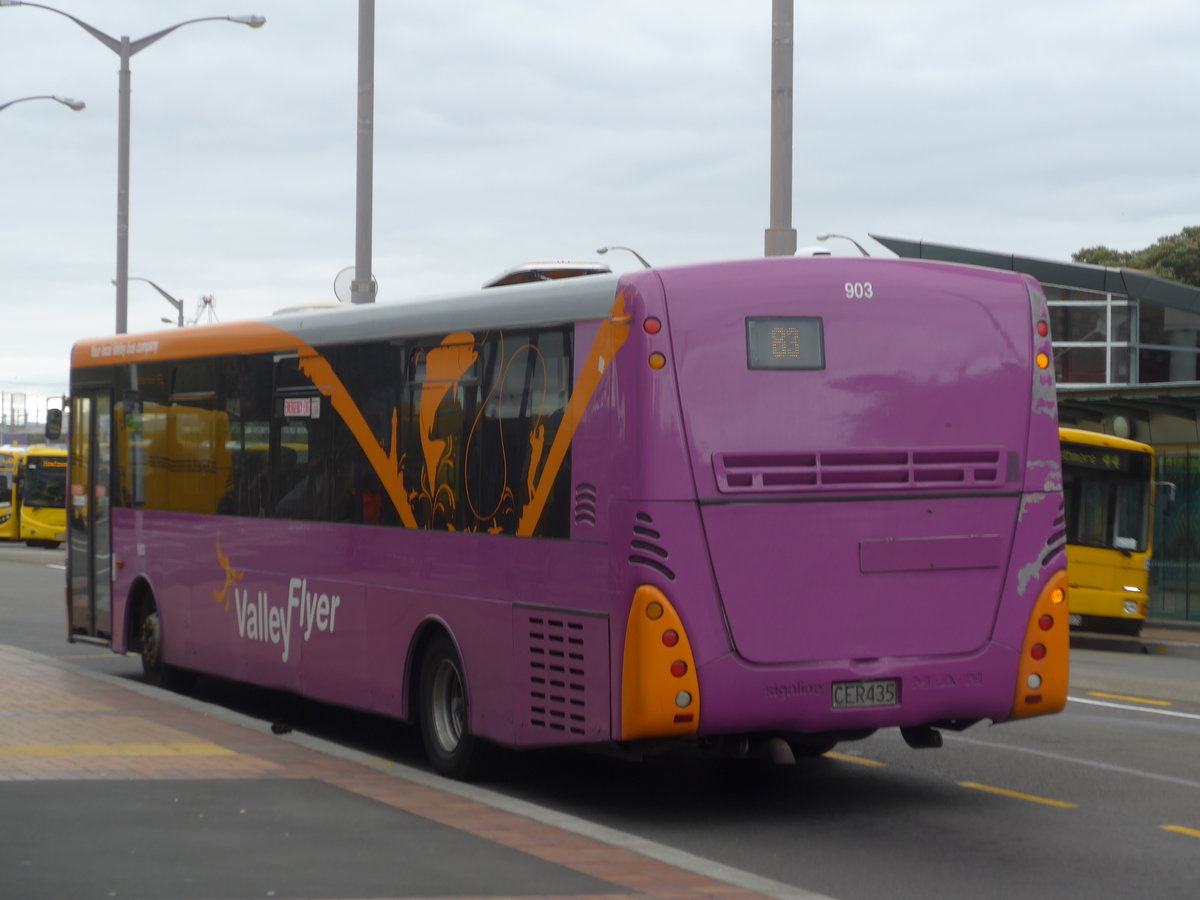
{"points": [[890, 515], [387, 582], [925, 392], [931, 554], [664, 544], [795, 590], [633, 436], [910, 370]]}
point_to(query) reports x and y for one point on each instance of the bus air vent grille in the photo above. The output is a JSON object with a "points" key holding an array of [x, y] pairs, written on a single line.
{"points": [[856, 470], [646, 547], [566, 658], [1057, 541], [585, 504]]}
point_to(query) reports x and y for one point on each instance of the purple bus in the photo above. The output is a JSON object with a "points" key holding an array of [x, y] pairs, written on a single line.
{"points": [[760, 506]]}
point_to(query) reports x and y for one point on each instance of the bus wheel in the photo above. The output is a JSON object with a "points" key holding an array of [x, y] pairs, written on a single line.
{"points": [[154, 669], [150, 634], [445, 725]]}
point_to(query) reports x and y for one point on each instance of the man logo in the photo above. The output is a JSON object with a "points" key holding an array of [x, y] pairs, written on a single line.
{"points": [[932, 682]]}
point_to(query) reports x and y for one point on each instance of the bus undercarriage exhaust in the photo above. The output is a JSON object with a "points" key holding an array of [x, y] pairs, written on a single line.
{"points": [[922, 737]]}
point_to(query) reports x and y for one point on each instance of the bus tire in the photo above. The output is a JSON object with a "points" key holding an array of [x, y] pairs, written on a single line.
{"points": [[445, 723], [150, 640]]}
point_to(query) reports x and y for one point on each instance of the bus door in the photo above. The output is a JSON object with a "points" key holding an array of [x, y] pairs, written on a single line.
{"points": [[6, 497], [89, 535]]}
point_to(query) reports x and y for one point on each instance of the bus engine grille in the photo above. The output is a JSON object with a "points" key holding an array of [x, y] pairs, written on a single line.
{"points": [[851, 470], [565, 658]]}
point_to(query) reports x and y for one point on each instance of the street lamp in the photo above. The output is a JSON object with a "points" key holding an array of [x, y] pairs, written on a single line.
{"points": [[178, 304], [76, 105], [780, 238], [363, 286], [861, 249], [125, 48], [604, 250]]}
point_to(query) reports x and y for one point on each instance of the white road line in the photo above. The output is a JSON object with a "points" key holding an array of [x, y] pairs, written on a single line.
{"points": [[1138, 709], [1059, 757]]}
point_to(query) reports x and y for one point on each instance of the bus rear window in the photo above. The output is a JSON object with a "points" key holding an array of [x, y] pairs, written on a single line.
{"points": [[794, 342]]}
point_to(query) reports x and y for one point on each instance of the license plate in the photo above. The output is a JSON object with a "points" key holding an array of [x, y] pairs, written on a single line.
{"points": [[862, 694], [1075, 620]]}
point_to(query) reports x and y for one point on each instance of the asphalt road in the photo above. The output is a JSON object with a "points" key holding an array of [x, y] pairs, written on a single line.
{"points": [[1100, 801]]}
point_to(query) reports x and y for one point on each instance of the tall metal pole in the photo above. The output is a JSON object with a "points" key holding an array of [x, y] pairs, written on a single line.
{"points": [[123, 190], [780, 236], [362, 288]]}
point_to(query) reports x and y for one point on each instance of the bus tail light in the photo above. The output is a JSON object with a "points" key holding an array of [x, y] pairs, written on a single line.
{"points": [[1044, 667], [660, 692]]}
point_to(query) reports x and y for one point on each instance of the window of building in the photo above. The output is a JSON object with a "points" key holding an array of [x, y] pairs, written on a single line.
{"points": [[1092, 334]]}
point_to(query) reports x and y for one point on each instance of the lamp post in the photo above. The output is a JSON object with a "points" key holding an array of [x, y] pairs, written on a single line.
{"points": [[178, 304], [780, 238], [126, 48], [827, 236], [362, 287], [76, 105], [604, 250]]}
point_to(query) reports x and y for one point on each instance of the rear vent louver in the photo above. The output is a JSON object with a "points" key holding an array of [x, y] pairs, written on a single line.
{"points": [[1057, 542], [647, 549], [566, 658], [850, 470], [585, 504]]}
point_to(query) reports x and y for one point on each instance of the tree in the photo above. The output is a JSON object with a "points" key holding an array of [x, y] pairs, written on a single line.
{"points": [[1176, 256]]}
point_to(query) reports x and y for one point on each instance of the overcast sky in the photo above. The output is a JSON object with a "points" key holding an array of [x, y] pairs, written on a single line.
{"points": [[515, 130]]}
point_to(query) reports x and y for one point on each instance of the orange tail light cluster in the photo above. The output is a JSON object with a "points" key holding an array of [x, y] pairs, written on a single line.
{"points": [[660, 693], [1044, 671]]}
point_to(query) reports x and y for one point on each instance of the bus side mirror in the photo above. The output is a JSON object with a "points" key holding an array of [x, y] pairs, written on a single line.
{"points": [[53, 424], [1166, 493]]}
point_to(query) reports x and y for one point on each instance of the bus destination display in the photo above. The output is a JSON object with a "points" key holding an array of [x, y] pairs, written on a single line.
{"points": [[795, 342]]}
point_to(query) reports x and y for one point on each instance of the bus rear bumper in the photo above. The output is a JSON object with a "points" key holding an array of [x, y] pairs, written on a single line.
{"points": [[848, 696]]}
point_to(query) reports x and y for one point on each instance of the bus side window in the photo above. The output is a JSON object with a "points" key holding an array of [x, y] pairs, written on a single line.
{"points": [[373, 375], [246, 401], [526, 387]]}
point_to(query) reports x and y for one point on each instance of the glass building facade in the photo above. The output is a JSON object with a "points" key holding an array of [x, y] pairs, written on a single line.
{"points": [[1101, 337]]}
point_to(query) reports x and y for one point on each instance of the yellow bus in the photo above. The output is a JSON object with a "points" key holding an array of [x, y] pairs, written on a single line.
{"points": [[181, 452], [1108, 490], [11, 458], [42, 496]]}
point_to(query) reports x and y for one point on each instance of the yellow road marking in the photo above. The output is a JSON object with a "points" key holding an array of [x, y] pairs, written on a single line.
{"points": [[857, 760], [1046, 801], [1179, 829], [181, 749], [1129, 699]]}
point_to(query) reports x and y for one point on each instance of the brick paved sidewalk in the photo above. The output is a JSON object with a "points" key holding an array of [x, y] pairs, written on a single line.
{"points": [[144, 768]]}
